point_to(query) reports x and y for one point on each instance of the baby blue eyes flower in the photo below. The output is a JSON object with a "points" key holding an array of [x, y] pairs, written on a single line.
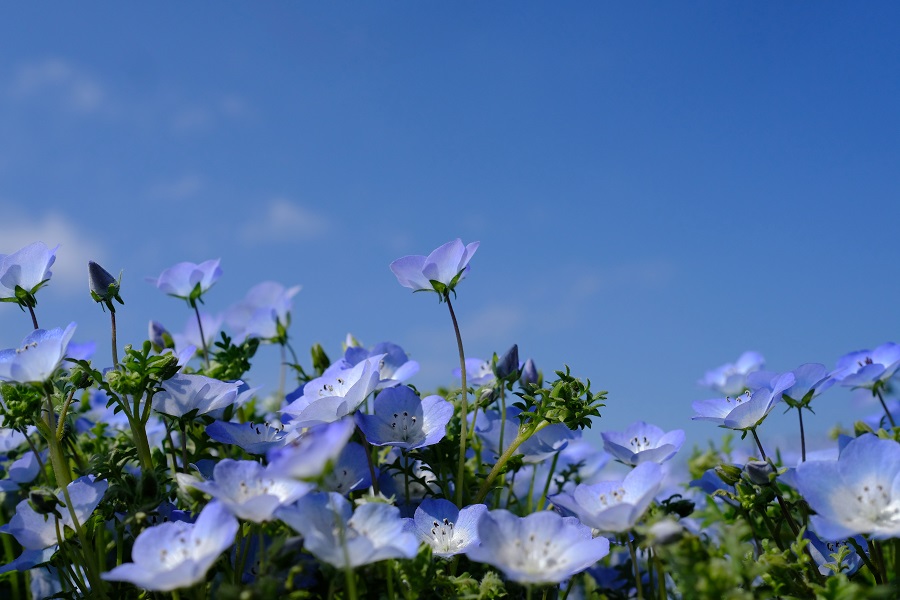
{"points": [[730, 379], [614, 506], [183, 394], [540, 548], [333, 396], [41, 353], [23, 272], [308, 456], [252, 437], [176, 554], [438, 272], [188, 280], [478, 372], [866, 368], [265, 307], [643, 442], [404, 420], [447, 529], [248, 490], [337, 535], [395, 366], [859, 493], [747, 410]]}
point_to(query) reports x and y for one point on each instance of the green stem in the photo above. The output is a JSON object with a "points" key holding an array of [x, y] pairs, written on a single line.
{"points": [[61, 425], [543, 499], [33, 317], [865, 558], [890, 417], [637, 570], [874, 565], [202, 337], [661, 576], [784, 509], [115, 347], [504, 458], [802, 436], [463, 408]]}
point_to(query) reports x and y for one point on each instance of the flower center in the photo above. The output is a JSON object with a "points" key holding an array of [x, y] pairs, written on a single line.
{"points": [[614, 497], [26, 347], [640, 444], [402, 423], [443, 536]]}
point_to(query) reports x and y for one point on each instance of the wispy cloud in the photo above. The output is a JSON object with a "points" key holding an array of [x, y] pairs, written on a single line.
{"points": [[182, 188], [75, 248], [494, 323], [285, 221], [72, 88]]}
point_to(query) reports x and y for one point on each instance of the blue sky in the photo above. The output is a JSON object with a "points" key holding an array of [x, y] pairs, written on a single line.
{"points": [[656, 187]]}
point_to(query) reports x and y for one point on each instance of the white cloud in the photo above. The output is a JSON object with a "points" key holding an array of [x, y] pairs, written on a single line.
{"points": [[75, 89], [284, 221], [75, 248]]}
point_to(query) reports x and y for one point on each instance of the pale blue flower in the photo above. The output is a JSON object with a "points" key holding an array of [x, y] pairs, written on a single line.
{"points": [[540, 446], [183, 394], [859, 493], [255, 438], [190, 335], [642, 442], [614, 506], [36, 531], [823, 553], [447, 529], [250, 491], [395, 366], [540, 548], [745, 411], [22, 470], [440, 271], [337, 535], [730, 379], [404, 420], [329, 398], [187, 280], [176, 554], [478, 372], [308, 456], [866, 368], [351, 471], [27, 269], [265, 307], [36, 361]]}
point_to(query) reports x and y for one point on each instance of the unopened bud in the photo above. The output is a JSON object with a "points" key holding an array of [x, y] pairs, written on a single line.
{"points": [[508, 364], [104, 287], [529, 373], [759, 472], [730, 474]]}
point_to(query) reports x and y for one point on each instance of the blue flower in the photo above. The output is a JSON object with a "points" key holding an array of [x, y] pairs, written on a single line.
{"points": [[308, 456], [614, 506], [730, 379], [447, 529], [254, 438], [489, 426], [859, 493], [183, 394], [404, 420], [866, 368], [810, 380], [350, 472], [642, 442], [265, 307], [176, 554], [248, 490], [824, 553], [333, 396], [187, 280], [190, 335], [395, 366], [23, 272], [342, 538], [37, 531], [540, 548], [438, 272], [478, 372], [36, 361], [747, 410]]}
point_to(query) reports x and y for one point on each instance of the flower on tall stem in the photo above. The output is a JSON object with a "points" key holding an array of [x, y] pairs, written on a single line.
{"points": [[104, 289], [23, 273], [36, 360]]}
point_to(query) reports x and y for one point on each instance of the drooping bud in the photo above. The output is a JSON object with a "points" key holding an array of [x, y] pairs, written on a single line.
{"points": [[104, 287], [508, 364]]}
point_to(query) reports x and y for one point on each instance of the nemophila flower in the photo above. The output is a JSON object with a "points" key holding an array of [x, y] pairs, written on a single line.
{"points": [[103, 286], [825, 554], [265, 307], [36, 531], [439, 272], [404, 420], [810, 380], [28, 560], [23, 272], [446, 529], [337, 535], [859, 493], [328, 398], [22, 470], [540, 548], [350, 473], [190, 335], [478, 372], [490, 427], [614, 506], [249, 490], [395, 366], [642, 442], [36, 361], [176, 554], [10, 439], [187, 280], [308, 456], [255, 438], [731, 378], [184, 394], [866, 368], [745, 411]]}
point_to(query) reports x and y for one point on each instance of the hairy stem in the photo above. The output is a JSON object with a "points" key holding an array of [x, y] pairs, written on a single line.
{"points": [[463, 408]]}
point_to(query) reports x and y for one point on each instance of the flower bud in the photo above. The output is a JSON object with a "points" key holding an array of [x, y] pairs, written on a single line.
{"points": [[730, 474], [759, 472], [529, 373], [104, 287], [160, 337], [508, 364]]}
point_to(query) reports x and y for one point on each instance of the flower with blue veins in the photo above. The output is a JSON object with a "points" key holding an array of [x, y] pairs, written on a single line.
{"points": [[859, 493], [438, 272], [313, 452], [336, 534], [187, 280], [176, 554], [540, 548], [747, 410], [446, 529], [404, 420], [395, 367], [254, 438], [642, 442], [184, 394], [24, 272], [41, 353], [730, 379]]}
